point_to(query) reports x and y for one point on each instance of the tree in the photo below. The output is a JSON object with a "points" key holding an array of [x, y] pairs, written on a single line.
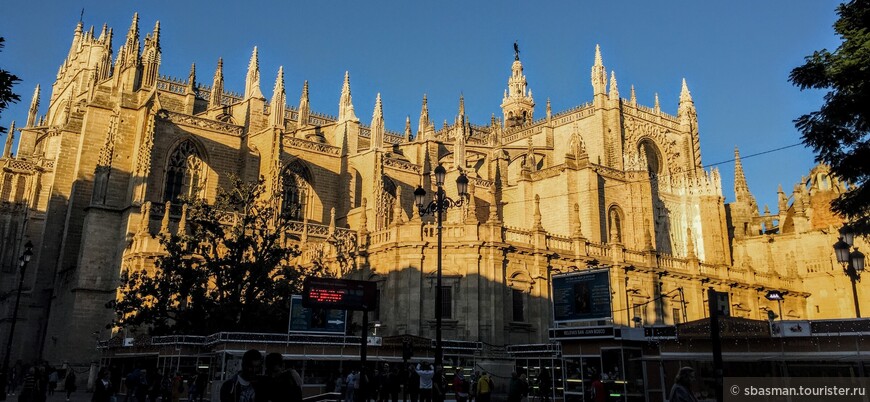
{"points": [[838, 131], [7, 81], [229, 270]]}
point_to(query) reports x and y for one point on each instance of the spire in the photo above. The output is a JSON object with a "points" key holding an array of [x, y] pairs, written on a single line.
{"points": [[217, 87], [155, 35], [459, 146], [614, 90], [278, 101], [330, 231], [741, 189], [103, 33], [578, 225], [151, 57], [633, 99], [191, 79], [518, 106], [164, 224], [304, 108], [657, 106], [685, 95], [461, 106], [252, 79], [77, 40], [647, 236], [407, 136], [345, 103], [7, 150], [599, 74], [131, 44], [549, 110], [34, 108], [182, 222], [537, 225], [423, 125], [782, 200], [377, 136]]}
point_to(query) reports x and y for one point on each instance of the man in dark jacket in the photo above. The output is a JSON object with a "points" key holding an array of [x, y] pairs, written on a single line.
{"points": [[243, 387], [102, 388]]}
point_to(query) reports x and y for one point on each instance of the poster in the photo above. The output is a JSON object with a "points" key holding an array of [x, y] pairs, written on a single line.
{"points": [[303, 319], [582, 296]]}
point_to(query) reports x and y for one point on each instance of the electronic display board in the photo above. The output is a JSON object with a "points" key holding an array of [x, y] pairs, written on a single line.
{"points": [[318, 319], [582, 296], [340, 294]]}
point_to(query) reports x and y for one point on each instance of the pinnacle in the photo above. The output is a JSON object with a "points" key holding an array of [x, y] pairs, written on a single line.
{"points": [[599, 61], [685, 95]]}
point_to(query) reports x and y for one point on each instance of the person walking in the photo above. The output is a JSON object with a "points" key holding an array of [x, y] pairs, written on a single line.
{"points": [[351, 385], [425, 371], [69, 382], [177, 387], [484, 388], [460, 386], [682, 389], [28, 386], [243, 387], [103, 387], [52, 381], [280, 384], [545, 385]]}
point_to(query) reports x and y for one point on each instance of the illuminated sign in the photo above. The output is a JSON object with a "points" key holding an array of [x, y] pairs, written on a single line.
{"points": [[340, 294], [303, 319]]}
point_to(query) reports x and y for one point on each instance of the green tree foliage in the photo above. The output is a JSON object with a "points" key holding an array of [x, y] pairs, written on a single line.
{"points": [[229, 271], [838, 132], [7, 80]]}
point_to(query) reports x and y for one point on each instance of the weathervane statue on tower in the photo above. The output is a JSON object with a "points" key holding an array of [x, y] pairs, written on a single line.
{"points": [[516, 51]]}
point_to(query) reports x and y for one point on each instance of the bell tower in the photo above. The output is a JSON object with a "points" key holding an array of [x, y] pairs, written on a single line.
{"points": [[517, 105]]}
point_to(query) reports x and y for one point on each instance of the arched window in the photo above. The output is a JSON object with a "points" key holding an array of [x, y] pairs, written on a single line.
{"points": [[651, 153], [184, 173], [295, 194]]}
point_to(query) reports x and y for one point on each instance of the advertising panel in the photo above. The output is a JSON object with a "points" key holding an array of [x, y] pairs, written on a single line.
{"points": [[315, 320], [582, 296]]}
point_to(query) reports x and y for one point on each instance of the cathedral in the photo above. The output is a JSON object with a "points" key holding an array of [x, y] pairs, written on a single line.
{"points": [[100, 167]]}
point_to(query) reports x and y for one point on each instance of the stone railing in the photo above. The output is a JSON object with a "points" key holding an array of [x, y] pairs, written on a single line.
{"points": [[482, 183], [449, 230], [670, 263], [561, 243], [547, 173], [597, 250], [573, 114], [173, 85], [199, 122], [635, 256], [19, 164], [402, 165], [299, 143], [517, 235]]}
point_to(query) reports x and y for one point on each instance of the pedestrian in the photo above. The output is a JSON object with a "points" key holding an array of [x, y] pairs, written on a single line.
{"points": [[597, 389], [130, 384], [352, 386], [439, 385], [394, 383], [166, 388], [192, 389], [52, 381], [103, 387], [28, 386], [484, 388], [142, 386], [515, 388], [41, 384], [280, 384], [201, 382], [177, 387], [545, 384], [340, 387], [69, 382], [460, 386], [155, 382], [412, 384], [426, 372], [362, 385], [243, 386], [682, 389]]}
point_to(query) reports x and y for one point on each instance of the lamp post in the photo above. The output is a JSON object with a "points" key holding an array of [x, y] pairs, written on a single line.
{"points": [[852, 261], [775, 295], [22, 268], [437, 207]]}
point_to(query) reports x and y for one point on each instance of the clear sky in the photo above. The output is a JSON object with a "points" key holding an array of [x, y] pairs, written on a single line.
{"points": [[734, 55]]}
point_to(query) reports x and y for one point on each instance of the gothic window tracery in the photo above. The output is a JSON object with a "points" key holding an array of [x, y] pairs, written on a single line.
{"points": [[386, 202], [648, 150], [296, 187], [184, 172]]}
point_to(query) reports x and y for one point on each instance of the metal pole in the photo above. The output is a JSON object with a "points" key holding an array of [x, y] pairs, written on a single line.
{"points": [[14, 320], [364, 342], [852, 275], [438, 311], [715, 340], [683, 303]]}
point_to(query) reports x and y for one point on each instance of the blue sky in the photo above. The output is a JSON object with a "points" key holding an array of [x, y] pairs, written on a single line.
{"points": [[735, 56]]}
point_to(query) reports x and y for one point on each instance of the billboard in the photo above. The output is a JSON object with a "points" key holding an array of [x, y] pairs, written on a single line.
{"points": [[304, 319], [342, 294], [582, 296]]}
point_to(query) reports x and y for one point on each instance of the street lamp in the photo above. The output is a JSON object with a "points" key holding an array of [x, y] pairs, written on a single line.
{"points": [[778, 297], [437, 207], [852, 260], [22, 268]]}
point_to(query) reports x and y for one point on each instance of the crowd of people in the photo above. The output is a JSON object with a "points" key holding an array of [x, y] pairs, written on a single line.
{"points": [[268, 380], [36, 383]]}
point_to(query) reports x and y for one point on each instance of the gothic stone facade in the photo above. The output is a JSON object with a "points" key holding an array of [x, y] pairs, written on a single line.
{"points": [[609, 182]]}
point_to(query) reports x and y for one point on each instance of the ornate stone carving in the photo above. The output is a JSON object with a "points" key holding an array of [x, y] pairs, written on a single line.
{"points": [[199, 122]]}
